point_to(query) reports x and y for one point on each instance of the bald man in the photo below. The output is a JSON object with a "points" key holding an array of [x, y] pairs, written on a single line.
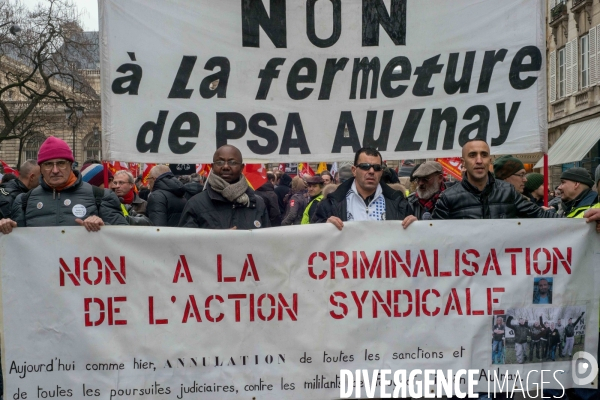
{"points": [[227, 201], [480, 195], [166, 200]]}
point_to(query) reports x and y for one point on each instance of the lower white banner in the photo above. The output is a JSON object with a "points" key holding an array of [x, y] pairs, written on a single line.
{"points": [[303, 312]]}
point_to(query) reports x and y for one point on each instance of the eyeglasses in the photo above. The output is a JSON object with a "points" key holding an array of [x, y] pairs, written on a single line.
{"points": [[231, 163], [367, 167], [522, 176], [49, 165], [120, 183]]}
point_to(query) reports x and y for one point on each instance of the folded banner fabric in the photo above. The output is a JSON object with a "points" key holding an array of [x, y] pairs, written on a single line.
{"points": [[316, 80], [180, 313]]}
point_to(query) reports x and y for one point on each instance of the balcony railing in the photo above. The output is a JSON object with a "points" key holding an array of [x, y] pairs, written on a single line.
{"points": [[558, 107], [558, 11], [581, 99]]}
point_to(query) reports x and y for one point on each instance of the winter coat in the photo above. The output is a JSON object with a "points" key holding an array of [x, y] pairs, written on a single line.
{"points": [[267, 192], [396, 205], [295, 208], [521, 331], [192, 189], [577, 207], [498, 200], [139, 205], [47, 207], [210, 210], [284, 187], [416, 206], [8, 193], [166, 201]]}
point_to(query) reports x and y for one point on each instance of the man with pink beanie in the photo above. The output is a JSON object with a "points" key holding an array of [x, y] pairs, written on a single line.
{"points": [[63, 198]]}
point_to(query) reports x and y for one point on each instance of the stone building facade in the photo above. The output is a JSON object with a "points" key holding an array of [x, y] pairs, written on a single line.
{"points": [[573, 70]]}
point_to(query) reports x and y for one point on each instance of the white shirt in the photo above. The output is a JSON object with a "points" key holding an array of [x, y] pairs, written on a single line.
{"points": [[357, 210]]}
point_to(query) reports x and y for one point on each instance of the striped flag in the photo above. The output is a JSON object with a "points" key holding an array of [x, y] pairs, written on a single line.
{"points": [[146, 172], [256, 175]]}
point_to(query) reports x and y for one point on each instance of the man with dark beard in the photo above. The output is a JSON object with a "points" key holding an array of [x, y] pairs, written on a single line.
{"points": [[430, 185]]}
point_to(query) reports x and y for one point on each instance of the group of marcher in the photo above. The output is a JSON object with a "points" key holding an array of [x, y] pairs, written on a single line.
{"points": [[49, 192], [547, 339]]}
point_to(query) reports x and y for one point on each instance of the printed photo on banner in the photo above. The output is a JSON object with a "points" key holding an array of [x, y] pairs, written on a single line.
{"points": [[536, 334], [542, 290]]}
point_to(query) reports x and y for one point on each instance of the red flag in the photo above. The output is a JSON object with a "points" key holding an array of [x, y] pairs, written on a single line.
{"points": [[451, 166], [305, 170], [282, 167], [134, 168], [8, 169], [256, 175], [146, 172], [204, 169]]}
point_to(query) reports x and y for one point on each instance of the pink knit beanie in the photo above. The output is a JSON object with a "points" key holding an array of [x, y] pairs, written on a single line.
{"points": [[54, 147]]}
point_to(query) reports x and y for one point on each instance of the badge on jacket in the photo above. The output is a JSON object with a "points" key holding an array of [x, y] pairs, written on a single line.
{"points": [[257, 224], [79, 211], [292, 202]]}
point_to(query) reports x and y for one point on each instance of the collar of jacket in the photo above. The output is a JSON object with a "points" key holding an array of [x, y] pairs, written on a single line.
{"points": [[214, 196], [74, 186], [137, 199], [585, 198], [342, 190], [488, 187], [16, 184]]}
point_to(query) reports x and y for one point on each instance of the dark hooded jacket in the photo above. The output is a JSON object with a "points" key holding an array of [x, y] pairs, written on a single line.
{"points": [[166, 201], [192, 189], [396, 205], [578, 206], [267, 192], [284, 187], [498, 200], [8, 193], [46, 207], [210, 210]]}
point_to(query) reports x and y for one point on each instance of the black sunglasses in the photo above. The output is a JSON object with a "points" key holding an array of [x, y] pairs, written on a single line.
{"points": [[367, 166]]}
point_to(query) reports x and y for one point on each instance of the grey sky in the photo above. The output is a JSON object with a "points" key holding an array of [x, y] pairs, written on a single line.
{"points": [[88, 8]]}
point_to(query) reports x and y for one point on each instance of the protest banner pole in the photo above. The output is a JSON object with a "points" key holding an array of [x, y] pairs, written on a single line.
{"points": [[105, 165], [546, 179]]}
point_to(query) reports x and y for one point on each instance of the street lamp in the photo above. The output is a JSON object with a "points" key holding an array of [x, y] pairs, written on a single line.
{"points": [[73, 115]]}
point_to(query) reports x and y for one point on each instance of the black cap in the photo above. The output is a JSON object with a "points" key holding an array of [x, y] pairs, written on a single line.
{"points": [[578, 174]]}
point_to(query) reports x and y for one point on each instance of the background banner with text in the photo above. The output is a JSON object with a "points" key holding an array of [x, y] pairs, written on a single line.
{"points": [[315, 80], [277, 313]]}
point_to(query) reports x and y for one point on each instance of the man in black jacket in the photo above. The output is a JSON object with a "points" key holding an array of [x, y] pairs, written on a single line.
{"points": [[364, 197], [480, 195], [267, 193], [166, 200], [521, 332], [29, 178], [227, 201]]}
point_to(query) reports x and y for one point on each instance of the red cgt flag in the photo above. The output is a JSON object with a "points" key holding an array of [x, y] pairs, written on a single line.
{"points": [[256, 175], [145, 172], [8, 169]]}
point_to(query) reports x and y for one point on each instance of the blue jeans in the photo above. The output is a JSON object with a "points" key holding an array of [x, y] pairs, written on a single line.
{"points": [[497, 349], [552, 352]]}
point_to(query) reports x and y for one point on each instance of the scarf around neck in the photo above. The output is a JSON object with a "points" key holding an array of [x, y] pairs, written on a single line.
{"points": [[129, 197], [429, 204], [234, 192], [70, 182]]}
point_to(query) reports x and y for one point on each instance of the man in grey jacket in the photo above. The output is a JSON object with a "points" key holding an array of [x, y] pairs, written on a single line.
{"points": [[62, 198]]}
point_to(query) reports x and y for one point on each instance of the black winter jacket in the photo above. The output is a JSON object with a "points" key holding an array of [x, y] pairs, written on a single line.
{"points": [[396, 205], [46, 207], [521, 331], [210, 210], [8, 193], [192, 189], [166, 201], [267, 192], [498, 200], [284, 187]]}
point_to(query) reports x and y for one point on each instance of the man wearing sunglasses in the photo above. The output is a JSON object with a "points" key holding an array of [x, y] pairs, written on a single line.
{"points": [[227, 201], [63, 198], [364, 197]]}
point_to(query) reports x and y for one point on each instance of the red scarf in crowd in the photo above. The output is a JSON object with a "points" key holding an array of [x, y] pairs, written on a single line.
{"points": [[128, 198], [429, 204]]}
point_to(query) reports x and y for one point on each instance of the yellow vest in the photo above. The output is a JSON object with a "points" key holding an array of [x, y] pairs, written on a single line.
{"points": [[579, 211], [305, 216]]}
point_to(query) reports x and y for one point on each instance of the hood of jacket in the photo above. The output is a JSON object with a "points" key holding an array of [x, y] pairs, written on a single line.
{"points": [[169, 183], [285, 180], [267, 187], [15, 184]]}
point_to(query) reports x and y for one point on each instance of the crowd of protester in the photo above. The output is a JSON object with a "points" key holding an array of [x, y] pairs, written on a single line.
{"points": [[49, 192]]}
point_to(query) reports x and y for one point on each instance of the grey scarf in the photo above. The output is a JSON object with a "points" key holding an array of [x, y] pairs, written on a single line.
{"points": [[235, 193]]}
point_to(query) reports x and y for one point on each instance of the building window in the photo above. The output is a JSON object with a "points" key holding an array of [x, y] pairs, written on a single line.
{"points": [[585, 61], [32, 147], [93, 148], [561, 73]]}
